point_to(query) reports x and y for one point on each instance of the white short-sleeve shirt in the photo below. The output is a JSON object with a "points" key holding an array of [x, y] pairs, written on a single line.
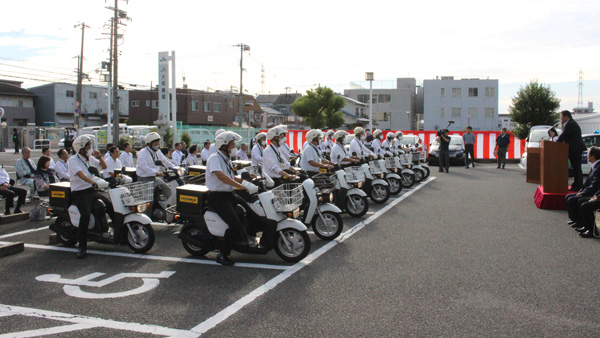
{"points": [[311, 153], [78, 163], [111, 165], [218, 162]]}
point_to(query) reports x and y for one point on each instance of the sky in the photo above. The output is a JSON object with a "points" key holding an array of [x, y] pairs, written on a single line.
{"points": [[305, 44]]}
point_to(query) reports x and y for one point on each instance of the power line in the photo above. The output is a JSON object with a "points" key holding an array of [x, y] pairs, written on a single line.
{"points": [[38, 70]]}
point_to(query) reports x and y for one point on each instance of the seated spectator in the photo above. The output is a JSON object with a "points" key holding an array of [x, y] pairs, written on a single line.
{"points": [[127, 157], [46, 152], [9, 192], [241, 154], [44, 176], [25, 168], [108, 146], [590, 187], [192, 159], [112, 163], [62, 168]]}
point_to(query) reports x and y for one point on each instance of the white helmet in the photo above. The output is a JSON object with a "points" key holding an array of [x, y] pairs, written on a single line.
{"points": [[399, 135], [275, 131], [226, 137], [339, 134], [377, 132], [219, 132], [390, 135], [330, 132], [284, 127], [260, 135], [358, 130], [151, 137], [311, 135], [80, 142]]}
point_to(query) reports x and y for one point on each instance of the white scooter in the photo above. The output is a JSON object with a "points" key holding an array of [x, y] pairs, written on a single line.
{"points": [[324, 217], [375, 185], [166, 195], [349, 195], [391, 177]]}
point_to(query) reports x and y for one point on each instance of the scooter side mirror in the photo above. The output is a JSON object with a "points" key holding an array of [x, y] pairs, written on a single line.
{"points": [[246, 176]]}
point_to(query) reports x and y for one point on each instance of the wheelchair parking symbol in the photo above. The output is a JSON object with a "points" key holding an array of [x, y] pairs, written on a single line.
{"points": [[73, 286]]}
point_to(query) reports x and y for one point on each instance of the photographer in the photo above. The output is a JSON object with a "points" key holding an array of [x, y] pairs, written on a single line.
{"points": [[444, 142]]}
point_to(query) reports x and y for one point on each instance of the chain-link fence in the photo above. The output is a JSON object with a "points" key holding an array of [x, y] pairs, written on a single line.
{"points": [[199, 134]]}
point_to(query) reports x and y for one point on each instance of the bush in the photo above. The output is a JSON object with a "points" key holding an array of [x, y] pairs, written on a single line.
{"points": [[187, 139], [168, 138], [124, 139]]}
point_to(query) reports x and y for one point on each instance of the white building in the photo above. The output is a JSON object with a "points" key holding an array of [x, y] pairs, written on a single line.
{"points": [[393, 108], [467, 102], [504, 121], [55, 103]]}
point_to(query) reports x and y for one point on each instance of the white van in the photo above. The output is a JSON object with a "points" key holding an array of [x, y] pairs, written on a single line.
{"points": [[536, 135]]}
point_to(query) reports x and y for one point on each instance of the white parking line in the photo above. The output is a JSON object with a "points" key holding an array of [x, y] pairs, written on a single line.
{"points": [[263, 289], [91, 322], [48, 331], [156, 258], [23, 232]]}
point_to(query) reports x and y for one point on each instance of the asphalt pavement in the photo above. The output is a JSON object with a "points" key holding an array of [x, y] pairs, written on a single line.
{"points": [[464, 254]]}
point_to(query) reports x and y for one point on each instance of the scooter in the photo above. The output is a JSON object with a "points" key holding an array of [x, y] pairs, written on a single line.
{"points": [[413, 162], [391, 177], [324, 217], [348, 194], [394, 164], [165, 195], [375, 185], [128, 223], [270, 213]]}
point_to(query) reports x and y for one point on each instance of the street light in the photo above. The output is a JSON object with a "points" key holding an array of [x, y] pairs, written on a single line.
{"points": [[369, 77]]}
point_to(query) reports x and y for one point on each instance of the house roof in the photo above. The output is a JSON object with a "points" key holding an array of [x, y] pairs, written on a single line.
{"points": [[286, 98], [353, 100], [267, 98], [7, 89], [271, 111]]}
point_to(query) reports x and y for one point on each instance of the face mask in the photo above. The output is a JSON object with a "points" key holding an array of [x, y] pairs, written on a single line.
{"points": [[263, 143], [283, 140], [89, 153], [380, 137], [232, 152], [362, 137], [155, 148]]}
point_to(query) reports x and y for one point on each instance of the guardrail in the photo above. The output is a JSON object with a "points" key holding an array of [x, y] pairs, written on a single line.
{"points": [[41, 143]]}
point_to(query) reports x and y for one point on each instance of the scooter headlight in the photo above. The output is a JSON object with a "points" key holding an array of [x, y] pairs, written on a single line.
{"points": [[181, 171], [358, 185], [142, 207], [330, 197], [294, 214]]}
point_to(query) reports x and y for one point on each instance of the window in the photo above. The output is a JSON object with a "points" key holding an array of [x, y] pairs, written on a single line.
{"points": [[70, 93], [473, 92], [384, 98], [356, 111], [135, 103], [93, 95], [490, 91], [456, 112], [456, 92], [206, 106], [364, 98], [472, 112], [230, 104], [20, 103], [217, 106], [195, 105], [147, 103], [442, 112], [443, 92], [154, 104], [489, 112]]}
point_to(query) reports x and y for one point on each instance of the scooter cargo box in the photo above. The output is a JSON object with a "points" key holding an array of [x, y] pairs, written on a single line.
{"points": [[129, 171], [191, 198], [239, 164], [196, 170], [60, 194]]}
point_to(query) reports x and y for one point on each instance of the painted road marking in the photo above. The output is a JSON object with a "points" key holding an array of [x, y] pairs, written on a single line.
{"points": [[90, 321], [263, 289], [156, 258], [23, 232], [73, 289], [49, 331]]}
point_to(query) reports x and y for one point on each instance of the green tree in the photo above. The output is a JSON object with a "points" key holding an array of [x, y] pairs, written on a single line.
{"points": [[168, 138], [124, 139], [320, 108], [534, 104], [185, 137]]}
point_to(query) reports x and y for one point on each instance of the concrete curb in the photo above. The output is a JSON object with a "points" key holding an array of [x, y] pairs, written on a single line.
{"points": [[14, 218], [12, 248]]}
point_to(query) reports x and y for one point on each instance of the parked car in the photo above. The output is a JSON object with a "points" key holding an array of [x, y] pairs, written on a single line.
{"points": [[590, 140], [61, 143], [456, 150], [536, 135]]}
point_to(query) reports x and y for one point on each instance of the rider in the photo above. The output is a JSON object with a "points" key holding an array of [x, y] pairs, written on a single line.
{"points": [[357, 148], [150, 159], [82, 185], [398, 143], [339, 154], [213, 149], [389, 144], [221, 182], [259, 148], [377, 149], [327, 143], [285, 150], [274, 164], [312, 158]]}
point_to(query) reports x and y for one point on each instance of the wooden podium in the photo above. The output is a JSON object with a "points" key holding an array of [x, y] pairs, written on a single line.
{"points": [[554, 168], [534, 163]]}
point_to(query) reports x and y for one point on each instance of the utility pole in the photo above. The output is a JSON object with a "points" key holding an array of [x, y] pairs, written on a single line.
{"points": [[287, 89], [77, 118], [243, 48]]}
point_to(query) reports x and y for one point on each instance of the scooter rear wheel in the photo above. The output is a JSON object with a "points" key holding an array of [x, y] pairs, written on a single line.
{"points": [[419, 175], [145, 237], [65, 239], [427, 171], [360, 206], [395, 186], [330, 230], [192, 249], [299, 245]]}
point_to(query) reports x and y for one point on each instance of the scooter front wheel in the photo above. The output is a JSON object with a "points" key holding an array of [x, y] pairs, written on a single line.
{"points": [[329, 226], [395, 186], [427, 171], [142, 238], [357, 205], [192, 249], [379, 193], [419, 175], [292, 245], [408, 180]]}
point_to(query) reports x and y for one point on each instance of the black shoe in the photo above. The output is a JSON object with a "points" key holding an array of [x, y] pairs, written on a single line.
{"points": [[7, 212], [18, 211], [573, 189], [503, 167], [81, 252], [582, 229], [569, 222], [498, 167], [574, 225], [467, 167], [446, 171], [441, 171], [224, 260], [587, 234]]}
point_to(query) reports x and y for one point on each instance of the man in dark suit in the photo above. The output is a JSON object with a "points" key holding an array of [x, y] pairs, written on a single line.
{"points": [[590, 187], [572, 136]]}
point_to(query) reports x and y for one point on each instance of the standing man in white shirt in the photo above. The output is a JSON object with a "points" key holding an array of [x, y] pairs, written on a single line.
{"points": [[357, 148], [112, 163], [205, 153], [82, 185], [259, 148], [312, 159], [127, 157], [177, 155], [62, 167], [339, 154], [274, 164], [151, 159]]}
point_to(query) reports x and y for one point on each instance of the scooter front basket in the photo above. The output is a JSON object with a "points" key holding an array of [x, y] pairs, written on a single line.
{"points": [[354, 174], [139, 193], [287, 197]]}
